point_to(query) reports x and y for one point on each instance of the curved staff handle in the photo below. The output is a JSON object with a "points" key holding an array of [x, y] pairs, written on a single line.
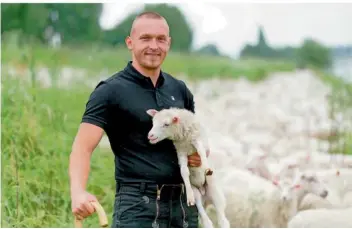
{"points": [[103, 220]]}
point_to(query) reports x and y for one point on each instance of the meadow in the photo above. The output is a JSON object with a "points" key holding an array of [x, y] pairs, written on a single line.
{"points": [[39, 125]]}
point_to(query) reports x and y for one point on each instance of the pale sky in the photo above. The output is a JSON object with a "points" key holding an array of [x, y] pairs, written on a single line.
{"points": [[231, 25]]}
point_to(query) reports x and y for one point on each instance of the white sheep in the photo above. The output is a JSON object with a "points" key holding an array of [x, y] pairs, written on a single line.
{"points": [[182, 127], [256, 202], [322, 218], [338, 182]]}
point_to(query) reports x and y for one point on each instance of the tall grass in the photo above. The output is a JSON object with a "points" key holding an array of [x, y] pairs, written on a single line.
{"points": [[38, 127]]}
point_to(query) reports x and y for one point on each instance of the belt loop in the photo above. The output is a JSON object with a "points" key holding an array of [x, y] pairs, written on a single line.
{"points": [[142, 187]]}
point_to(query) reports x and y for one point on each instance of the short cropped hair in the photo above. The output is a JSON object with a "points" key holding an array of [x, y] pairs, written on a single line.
{"points": [[150, 14], [147, 14]]}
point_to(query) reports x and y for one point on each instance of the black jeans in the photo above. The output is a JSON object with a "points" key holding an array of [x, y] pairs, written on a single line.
{"points": [[152, 205]]}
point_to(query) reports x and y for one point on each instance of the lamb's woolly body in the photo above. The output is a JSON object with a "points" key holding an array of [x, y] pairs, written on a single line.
{"points": [[338, 183], [322, 218], [252, 201], [188, 136], [185, 133], [257, 205]]}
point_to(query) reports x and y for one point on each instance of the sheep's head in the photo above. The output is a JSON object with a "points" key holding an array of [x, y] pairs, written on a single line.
{"points": [[164, 124], [310, 183], [287, 189]]}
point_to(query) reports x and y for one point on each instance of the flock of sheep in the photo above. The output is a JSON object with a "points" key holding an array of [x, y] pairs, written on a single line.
{"points": [[273, 169]]}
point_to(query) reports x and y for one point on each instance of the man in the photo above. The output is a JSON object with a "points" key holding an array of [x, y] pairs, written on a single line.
{"points": [[149, 190]]}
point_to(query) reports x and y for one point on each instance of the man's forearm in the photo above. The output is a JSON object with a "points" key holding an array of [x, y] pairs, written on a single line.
{"points": [[79, 170]]}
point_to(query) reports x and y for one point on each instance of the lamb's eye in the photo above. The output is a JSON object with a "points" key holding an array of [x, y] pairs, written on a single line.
{"points": [[166, 124]]}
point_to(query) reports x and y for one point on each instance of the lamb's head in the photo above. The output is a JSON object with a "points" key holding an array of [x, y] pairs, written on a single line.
{"points": [[308, 182], [164, 125], [257, 165], [286, 188]]}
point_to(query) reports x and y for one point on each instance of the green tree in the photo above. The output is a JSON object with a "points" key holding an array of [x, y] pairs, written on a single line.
{"points": [[209, 49], [75, 22], [312, 53], [29, 20]]}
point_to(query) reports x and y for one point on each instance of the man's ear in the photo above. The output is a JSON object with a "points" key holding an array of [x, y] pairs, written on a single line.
{"points": [[128, 41]]}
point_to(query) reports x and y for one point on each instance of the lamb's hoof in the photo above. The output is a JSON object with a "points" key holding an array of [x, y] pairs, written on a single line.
{"points": [[208, 224], [208, 172], [191, 201], [224, 223]]}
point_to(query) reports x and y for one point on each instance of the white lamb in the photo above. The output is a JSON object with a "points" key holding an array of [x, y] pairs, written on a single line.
{"points": [[182, 127], [322, 218], [252, 201]]}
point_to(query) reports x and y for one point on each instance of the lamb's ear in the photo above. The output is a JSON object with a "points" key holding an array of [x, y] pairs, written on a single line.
{"points": [[152, 112], [275, 182], [175, 119], [297, 186]]}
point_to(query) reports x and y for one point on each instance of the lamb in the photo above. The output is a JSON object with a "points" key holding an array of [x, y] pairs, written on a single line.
{"points": [[182, 127], [322, 218], [253, 201]]}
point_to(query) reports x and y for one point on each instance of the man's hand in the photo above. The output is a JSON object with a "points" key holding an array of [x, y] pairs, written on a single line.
{"points": [[80, 204], [194, 160]]}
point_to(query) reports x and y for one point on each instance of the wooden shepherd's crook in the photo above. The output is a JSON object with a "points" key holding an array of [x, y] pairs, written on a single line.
{"points": [[103, 220]]}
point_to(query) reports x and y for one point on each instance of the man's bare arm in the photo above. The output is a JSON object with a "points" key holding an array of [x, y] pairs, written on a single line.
{"points": [[87, 139]]}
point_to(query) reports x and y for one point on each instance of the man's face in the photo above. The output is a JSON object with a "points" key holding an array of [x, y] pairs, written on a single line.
{"points": [[149, 42]]}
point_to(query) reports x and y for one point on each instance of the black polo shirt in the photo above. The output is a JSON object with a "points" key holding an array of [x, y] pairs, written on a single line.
{"points": [[119, 104]]}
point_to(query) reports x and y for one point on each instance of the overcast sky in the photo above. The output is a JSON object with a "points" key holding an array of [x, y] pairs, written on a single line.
{"points": [[231, 25]]}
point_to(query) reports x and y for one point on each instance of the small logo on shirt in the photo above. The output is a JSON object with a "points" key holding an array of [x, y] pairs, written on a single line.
{"points": [[173, 98]]}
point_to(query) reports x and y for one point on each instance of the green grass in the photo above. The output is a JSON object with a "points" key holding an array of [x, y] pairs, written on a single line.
{"points": [[39, 125], [95, 59]]}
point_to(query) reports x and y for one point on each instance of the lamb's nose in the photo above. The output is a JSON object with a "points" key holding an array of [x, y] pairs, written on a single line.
{"points": [[324, 194], [150, 136]]}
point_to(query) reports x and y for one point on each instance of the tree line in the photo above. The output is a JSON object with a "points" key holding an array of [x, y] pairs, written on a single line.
{"points": [[79, 24], [310, 53]]}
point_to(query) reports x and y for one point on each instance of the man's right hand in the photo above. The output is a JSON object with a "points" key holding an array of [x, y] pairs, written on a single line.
{"points": [[81, 206]]}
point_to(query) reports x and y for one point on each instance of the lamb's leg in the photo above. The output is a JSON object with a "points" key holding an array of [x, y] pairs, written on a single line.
{"points": [[203, 156], [202, 213], [218, 200], [183, 162]]}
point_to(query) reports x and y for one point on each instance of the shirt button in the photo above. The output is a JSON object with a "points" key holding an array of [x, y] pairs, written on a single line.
{"points": [[158, 100]]}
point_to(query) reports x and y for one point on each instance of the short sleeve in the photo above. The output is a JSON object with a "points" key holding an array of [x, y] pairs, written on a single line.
{"points": [[97, 107], [189, 100]]}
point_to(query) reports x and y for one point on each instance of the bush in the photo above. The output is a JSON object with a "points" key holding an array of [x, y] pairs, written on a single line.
{"points": [[313, 54]]}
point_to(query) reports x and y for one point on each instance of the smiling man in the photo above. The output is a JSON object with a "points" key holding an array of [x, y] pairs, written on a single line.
{"points": [[149, 186]]}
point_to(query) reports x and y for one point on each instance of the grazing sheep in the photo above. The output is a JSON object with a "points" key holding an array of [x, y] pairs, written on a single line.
{"points": [[338, 182], [322, 218], [182, 127], [256, 202]]}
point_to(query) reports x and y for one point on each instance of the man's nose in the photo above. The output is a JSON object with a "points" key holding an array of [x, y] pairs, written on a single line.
{"points": [[153, 44]]}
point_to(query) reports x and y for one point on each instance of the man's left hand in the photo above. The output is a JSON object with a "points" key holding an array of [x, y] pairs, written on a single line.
{"points": [[194, 160]]}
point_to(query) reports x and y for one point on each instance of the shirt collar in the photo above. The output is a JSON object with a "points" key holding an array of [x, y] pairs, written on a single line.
{"points": [[142, 78]]}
